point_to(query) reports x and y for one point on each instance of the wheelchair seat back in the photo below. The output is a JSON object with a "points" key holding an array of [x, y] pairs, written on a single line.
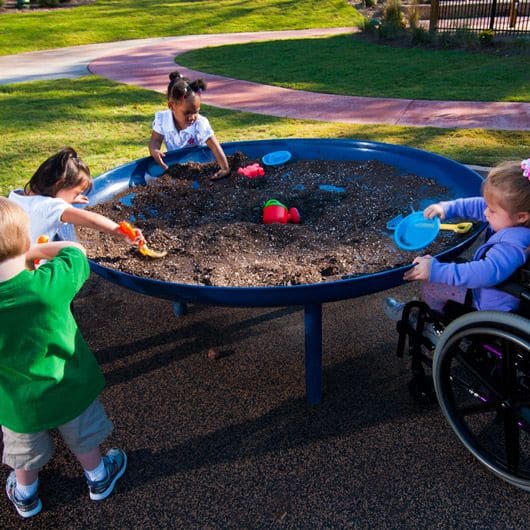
{"points": [[519, 285]]}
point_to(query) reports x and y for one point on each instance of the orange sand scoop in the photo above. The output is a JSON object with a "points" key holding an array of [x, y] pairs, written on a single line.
{"points": [[131, 232], [40, 239]]}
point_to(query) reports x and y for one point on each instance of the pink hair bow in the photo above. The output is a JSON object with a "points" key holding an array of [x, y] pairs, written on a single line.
{"points": [[525, 166]]}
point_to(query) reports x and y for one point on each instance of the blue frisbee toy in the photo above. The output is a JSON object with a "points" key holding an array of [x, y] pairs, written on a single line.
{"points": [[416, 231], [276, 158]]}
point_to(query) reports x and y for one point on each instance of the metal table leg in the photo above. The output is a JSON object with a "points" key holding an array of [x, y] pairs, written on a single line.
{"points": [[313, 353]]}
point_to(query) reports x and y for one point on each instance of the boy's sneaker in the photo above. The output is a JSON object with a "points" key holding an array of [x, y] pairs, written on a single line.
{"points": [[115, 463], [25, 507]]}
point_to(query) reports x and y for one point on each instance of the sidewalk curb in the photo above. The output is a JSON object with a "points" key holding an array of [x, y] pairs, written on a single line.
{"points": [[481, 170]]}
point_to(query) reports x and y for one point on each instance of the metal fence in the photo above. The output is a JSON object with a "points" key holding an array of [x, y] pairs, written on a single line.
{"points": [[504, 17]]}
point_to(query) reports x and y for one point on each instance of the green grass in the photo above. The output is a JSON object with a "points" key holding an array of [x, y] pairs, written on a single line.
{"points": [[345, 65], [109, 124], [114, 20]]}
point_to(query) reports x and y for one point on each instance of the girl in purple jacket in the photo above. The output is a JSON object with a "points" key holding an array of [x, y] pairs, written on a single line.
{"points": [[505, 205]]}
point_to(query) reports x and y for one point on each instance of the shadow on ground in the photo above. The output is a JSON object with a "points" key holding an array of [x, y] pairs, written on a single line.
{"points": [[231, 443]]}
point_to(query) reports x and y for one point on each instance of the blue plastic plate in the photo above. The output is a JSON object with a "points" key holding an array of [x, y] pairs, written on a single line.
{"points": [[416, 231], [276, 158]]}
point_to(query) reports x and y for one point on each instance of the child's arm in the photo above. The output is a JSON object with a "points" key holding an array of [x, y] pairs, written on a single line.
{"points": [[155, 143], [48, 251], [499, 263], [468, 208], [96, 221], [220, 156]]}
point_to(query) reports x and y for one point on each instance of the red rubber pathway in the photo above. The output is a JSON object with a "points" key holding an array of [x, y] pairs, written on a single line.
{"points": [[149, 66]]}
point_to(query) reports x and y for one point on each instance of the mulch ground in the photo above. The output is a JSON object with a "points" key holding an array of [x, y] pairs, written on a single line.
{"points": [[231, 443]]}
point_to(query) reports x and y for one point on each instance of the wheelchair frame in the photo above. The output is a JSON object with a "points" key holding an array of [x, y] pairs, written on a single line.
{"points": [[479, 372]]}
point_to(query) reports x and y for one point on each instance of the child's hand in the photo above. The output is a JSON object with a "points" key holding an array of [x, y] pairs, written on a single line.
{"points": [[159, 158], [434, 210], [138, 239], [222, 173], [80, 199], [421, 269]]}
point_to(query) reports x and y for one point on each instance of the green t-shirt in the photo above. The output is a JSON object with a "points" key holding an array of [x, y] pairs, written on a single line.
{"points": [[48, 375]]}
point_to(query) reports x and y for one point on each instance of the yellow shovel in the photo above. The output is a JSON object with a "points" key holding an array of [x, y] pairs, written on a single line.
{"points": [[131, 232], [459, 228]]}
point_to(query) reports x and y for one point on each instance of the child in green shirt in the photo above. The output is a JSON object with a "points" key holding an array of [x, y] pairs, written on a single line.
{"points": [[49, 378]]}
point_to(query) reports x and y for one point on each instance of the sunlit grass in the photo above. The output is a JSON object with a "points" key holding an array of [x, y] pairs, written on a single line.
{"points": [[346, 65], [109, 124], [114, 20]]}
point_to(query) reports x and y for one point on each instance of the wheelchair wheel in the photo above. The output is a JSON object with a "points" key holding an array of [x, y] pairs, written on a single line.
{"points": [[481, 372]]}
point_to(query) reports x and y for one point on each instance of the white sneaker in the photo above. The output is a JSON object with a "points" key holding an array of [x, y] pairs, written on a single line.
{"points": [[393, 308], [394, 311]]}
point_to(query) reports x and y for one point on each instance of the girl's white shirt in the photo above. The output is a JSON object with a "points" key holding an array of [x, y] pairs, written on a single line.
{"points": [[196, 134], [44, 213]]}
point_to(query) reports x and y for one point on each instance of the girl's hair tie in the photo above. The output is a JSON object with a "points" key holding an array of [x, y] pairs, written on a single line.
{"points": [[525, 166]]}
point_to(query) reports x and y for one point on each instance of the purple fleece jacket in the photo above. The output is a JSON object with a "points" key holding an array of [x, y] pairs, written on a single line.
{"points": [[494, 261]]}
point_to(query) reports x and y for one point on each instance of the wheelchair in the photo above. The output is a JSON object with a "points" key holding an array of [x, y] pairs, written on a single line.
{"points": [[479, 373]]}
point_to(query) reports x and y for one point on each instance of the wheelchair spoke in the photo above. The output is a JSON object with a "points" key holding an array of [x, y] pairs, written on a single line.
{"points": [[480, 378], [509, 369], [477, 408], [511, 439]]}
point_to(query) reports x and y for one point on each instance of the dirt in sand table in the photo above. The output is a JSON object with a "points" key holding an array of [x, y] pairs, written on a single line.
{"points": [[214, 234]]}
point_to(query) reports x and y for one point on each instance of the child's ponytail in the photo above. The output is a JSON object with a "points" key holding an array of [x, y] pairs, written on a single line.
{"points": [[62, 170], [181, 87]]}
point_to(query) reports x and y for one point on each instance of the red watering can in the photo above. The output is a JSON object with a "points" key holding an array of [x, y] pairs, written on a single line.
{"points": [[276, 212]]}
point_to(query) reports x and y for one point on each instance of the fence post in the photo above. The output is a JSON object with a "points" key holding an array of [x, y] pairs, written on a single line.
{"points": [[433, 16], [493, 13], [513, 14]]}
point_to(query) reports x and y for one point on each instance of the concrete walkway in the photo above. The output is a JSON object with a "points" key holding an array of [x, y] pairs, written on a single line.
{"points": [[146, 63]]}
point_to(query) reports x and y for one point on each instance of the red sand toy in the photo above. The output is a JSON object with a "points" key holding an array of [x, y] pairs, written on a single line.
{"points": [[276, 212], [251, 171]]}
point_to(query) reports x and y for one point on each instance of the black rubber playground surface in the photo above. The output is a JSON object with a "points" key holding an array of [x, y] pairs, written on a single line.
{"points": [[231, 443]]}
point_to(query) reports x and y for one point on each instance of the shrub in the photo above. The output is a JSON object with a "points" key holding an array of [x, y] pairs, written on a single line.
{"points": [[393, 24], [413, 15], [48, 3], [486, 37], [421, 36]]}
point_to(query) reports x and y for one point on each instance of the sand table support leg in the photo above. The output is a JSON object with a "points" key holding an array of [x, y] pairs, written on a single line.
{"points": [[313, 353]]}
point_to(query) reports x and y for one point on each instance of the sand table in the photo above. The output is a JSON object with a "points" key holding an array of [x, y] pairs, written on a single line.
{"points": [[214, 234]]}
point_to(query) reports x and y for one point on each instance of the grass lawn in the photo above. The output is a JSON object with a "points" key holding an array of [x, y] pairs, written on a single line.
{"points": [[109, 124], [345, 65], [114, 20]]}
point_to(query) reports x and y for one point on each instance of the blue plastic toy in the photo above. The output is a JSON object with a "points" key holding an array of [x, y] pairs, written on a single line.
{"points": [[416, 231], [276, 158]]}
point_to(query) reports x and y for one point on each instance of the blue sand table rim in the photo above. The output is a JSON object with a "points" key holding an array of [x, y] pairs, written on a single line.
{"points": [[460, 180]]}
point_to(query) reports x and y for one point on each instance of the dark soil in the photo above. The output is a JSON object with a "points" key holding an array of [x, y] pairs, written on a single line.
{"points": [[214, 234]]}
